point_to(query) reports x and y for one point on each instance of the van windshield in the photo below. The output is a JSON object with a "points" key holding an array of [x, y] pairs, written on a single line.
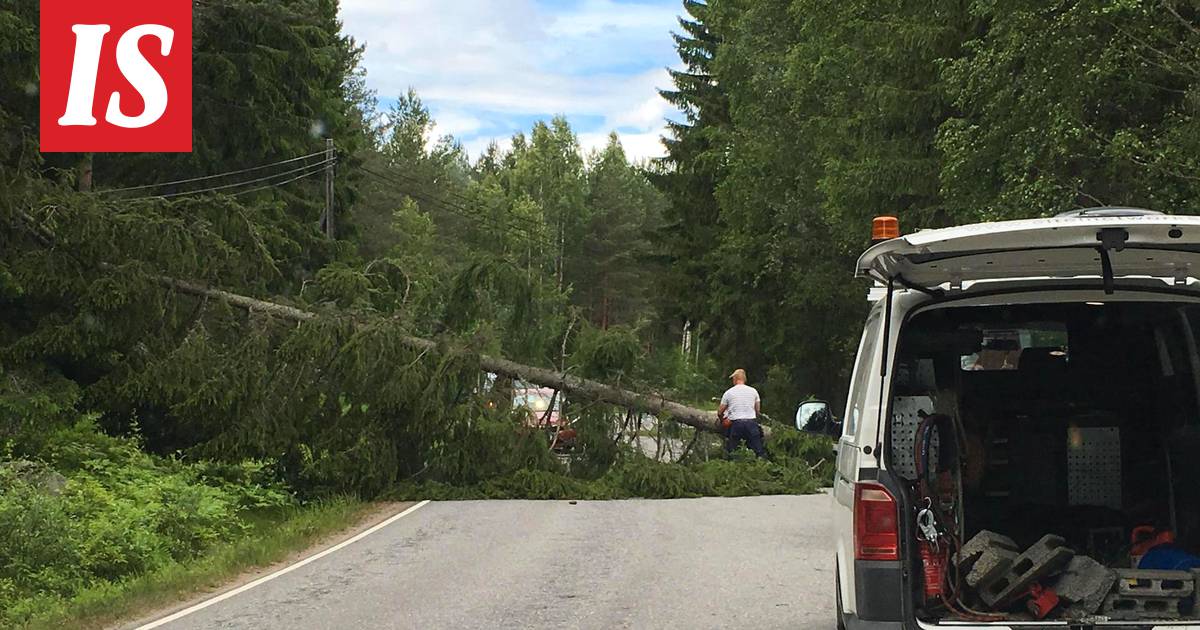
{"points": [[1075, 347], [1002, 347], [534, 401]]}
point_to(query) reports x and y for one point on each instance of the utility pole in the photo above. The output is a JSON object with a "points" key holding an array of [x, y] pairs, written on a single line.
{"points": [[327, 220]]}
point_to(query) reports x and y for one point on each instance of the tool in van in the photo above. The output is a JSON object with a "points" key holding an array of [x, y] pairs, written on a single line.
{"points": [[1042, 599], [928, 523], [933, 556]]}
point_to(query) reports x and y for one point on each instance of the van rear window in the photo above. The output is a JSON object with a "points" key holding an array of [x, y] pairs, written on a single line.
{"points": [[1005, 348]]}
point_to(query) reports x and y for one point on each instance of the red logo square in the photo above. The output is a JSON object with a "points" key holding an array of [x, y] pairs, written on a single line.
{"points": [[116, 76]]}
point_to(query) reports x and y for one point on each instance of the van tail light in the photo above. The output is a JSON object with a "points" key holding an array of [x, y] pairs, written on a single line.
{"points": [[876, 524]]}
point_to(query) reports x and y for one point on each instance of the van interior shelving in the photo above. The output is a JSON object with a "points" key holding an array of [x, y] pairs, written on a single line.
{"points": [[1052, 444]]}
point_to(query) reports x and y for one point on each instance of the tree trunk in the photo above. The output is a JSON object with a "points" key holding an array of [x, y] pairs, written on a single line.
{"points": [[83, 173], [656, 405]]}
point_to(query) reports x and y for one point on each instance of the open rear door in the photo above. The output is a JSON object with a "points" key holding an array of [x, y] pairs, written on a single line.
{"points": [[1109, 245]]}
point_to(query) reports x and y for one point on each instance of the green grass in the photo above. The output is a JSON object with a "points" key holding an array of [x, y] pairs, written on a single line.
{"points": [[273, 536]]}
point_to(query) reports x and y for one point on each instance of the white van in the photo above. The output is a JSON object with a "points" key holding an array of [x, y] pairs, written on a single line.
{"points": [[1038, 381]]}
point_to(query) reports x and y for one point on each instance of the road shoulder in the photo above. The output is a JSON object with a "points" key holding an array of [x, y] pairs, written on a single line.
{"points": [[371, 516]]}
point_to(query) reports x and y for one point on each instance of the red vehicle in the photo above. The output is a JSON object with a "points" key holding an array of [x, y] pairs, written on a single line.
{"points": [[544, 409]]}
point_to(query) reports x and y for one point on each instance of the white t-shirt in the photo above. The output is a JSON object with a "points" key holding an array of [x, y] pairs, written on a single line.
{"points": [[739, 402]]}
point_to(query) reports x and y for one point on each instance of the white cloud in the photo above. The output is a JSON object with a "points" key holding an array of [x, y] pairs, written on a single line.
{"points": [[638, 146], [614, 96], [649, 114], [486, 68], [427, 43], [456, 124], [599, 16], [476, 146]]}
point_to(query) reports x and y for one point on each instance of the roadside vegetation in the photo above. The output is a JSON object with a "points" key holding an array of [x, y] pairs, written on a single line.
{"points": [[95, 528]]}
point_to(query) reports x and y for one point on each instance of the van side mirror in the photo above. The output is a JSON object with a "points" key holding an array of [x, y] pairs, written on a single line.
{"points": [[814, 416]]}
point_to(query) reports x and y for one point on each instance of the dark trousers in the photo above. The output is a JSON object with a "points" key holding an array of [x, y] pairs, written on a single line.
{"points": [[747, 431]]}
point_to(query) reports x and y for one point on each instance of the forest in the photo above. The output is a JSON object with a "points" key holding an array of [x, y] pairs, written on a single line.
{"points": [[140, 426]]}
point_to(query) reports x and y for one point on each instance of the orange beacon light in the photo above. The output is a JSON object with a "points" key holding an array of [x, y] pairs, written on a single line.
{"points": [[884, 228]]}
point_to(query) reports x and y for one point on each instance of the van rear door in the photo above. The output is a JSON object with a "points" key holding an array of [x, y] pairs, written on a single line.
{"points": [[1109, 244]]}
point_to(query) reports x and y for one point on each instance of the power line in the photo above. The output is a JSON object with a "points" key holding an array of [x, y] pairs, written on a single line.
{"points": [[522, 224], [319, 166], [516, 223], [207, 177], [444, 204], [287, 181], [464, 212], [452, 193], [463, 198]]}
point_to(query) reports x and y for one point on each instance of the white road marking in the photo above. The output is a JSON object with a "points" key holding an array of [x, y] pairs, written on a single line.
{"points": [[292, 567]]}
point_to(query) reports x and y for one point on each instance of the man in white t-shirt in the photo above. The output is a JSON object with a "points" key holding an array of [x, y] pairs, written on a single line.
{"points": [[740, 406]]}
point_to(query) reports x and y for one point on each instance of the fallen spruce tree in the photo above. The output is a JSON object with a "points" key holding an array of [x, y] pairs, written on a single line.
{"points": [[589, 389], [593, 390]]}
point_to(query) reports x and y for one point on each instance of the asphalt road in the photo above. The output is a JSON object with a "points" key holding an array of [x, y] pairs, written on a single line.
{"points": [[759, 562]]}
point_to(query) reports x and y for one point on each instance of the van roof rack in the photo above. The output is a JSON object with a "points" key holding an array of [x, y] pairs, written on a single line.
{"points": [[1108, 211]]}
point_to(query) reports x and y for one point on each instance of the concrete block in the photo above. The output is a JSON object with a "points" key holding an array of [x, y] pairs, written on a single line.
{"points": [[1084, 584], [1047, 556], [1196, 592], [1119, 606], [979, 543], [1151, 583], [991, 565]]}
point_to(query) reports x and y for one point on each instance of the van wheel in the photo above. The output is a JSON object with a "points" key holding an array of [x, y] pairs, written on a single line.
{"points": [[837, 585]]}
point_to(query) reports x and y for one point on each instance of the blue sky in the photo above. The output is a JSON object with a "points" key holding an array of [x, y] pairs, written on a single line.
{"points": [[489, 68]]}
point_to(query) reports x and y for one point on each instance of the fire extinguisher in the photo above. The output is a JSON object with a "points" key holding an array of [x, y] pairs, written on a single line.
{"points": [[933, 561], [933, 556]]}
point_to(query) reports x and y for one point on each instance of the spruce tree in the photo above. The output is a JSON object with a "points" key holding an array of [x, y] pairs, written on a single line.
{"points": [[689, 174]]}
